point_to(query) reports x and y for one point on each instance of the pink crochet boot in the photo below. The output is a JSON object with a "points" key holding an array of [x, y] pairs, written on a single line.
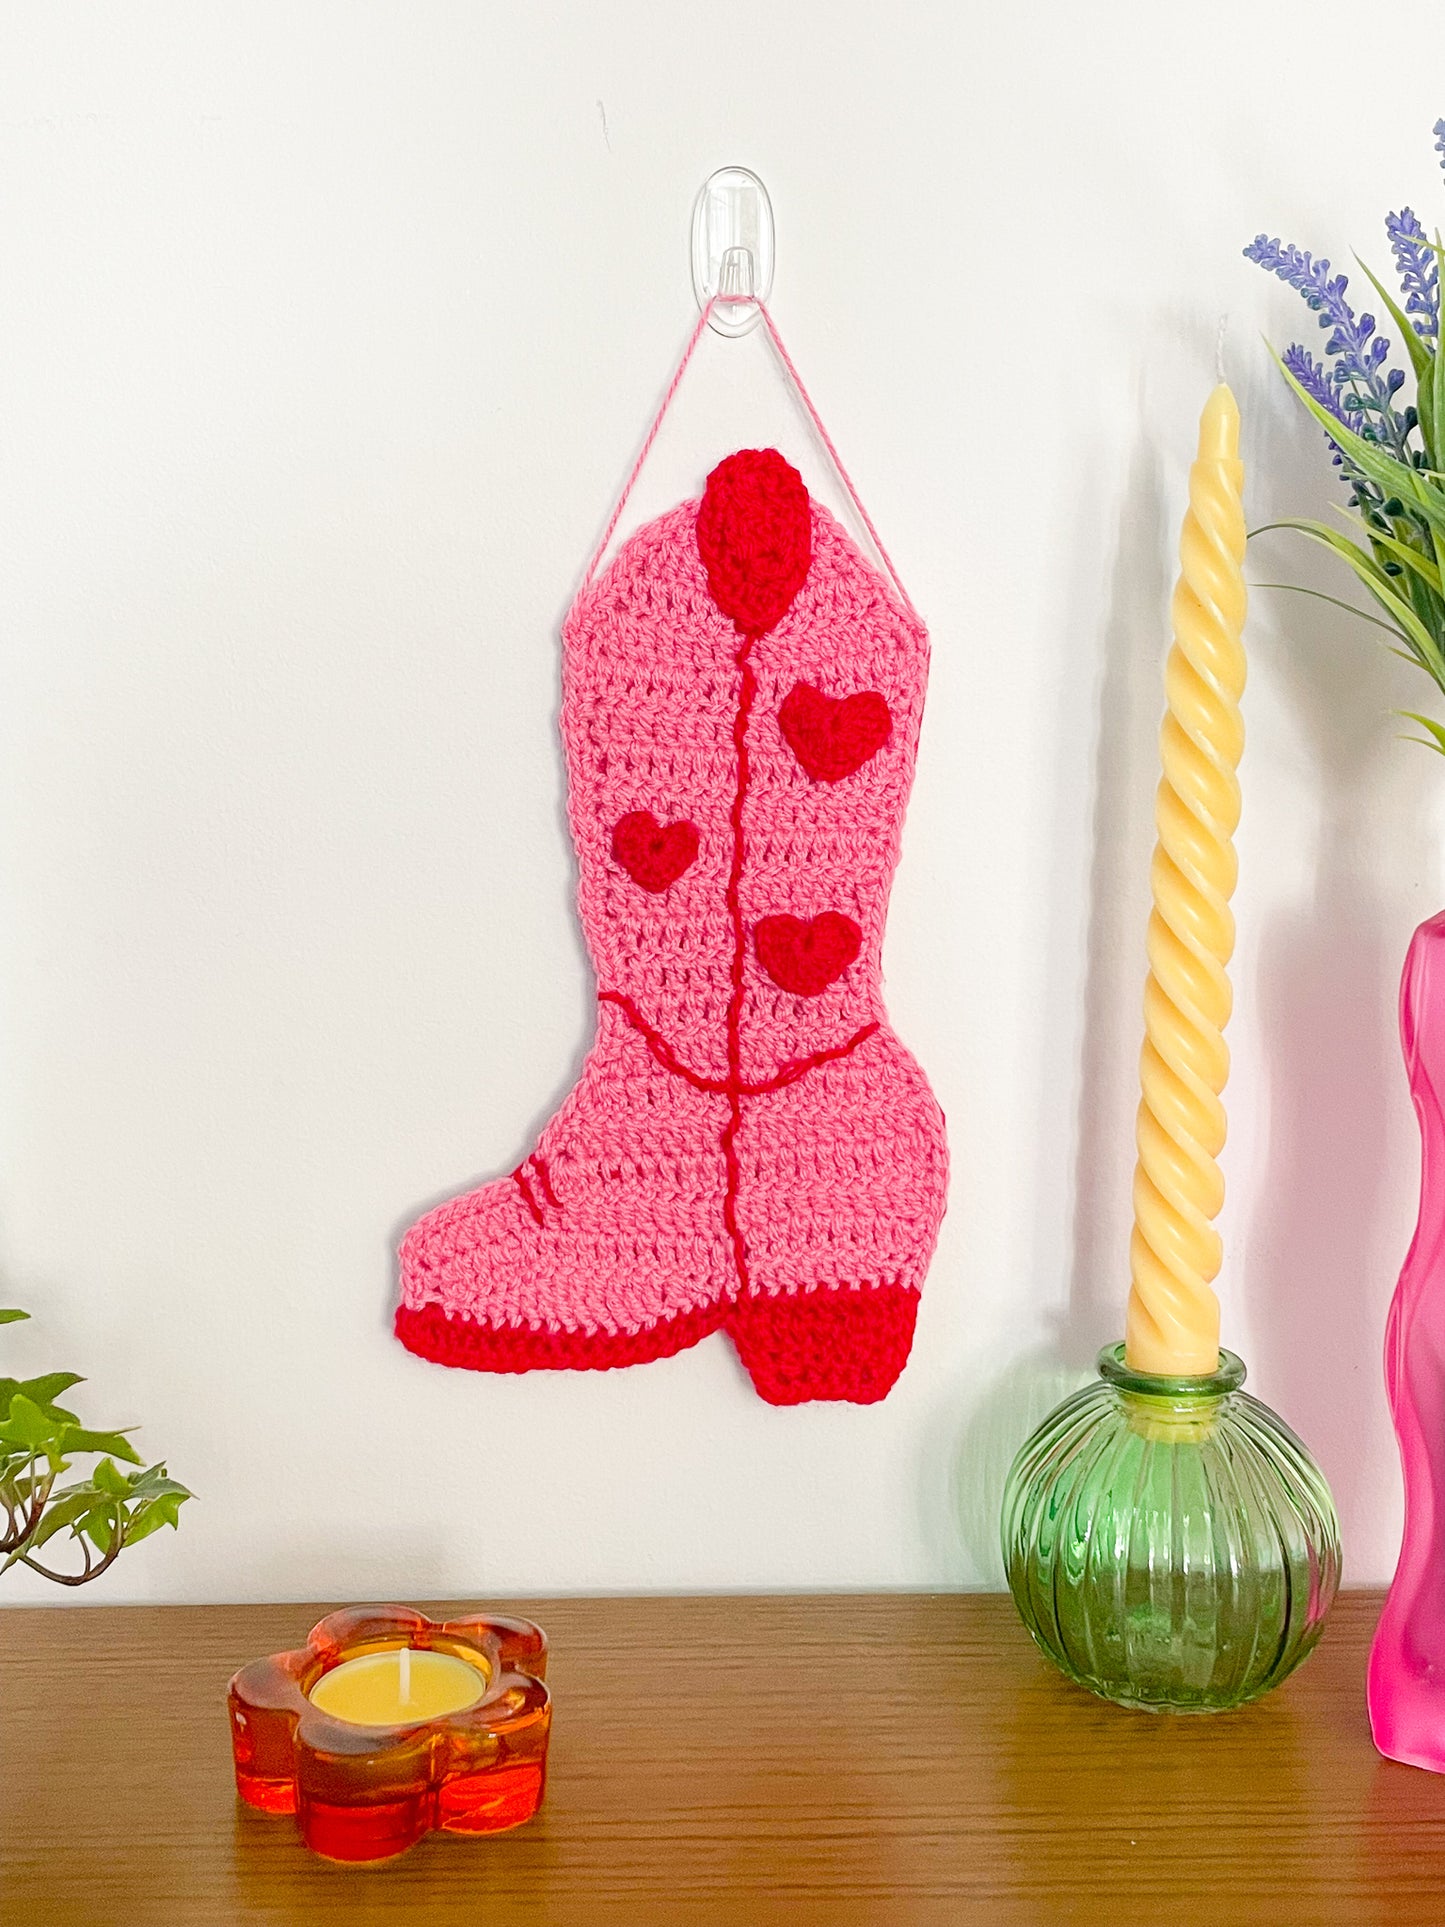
{"points": [[748, 1145]]}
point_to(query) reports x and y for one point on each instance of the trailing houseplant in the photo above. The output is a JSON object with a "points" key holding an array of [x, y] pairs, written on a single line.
{"points": [[1391, 455], [100, 1512]]}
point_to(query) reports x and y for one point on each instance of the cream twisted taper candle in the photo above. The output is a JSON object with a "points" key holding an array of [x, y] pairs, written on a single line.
{"points": [[1173, 1322]]}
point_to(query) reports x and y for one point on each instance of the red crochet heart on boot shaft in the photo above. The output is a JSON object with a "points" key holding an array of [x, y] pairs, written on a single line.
{"points": [[831, 736], [755, 537], [653, 854], [806, 957]]}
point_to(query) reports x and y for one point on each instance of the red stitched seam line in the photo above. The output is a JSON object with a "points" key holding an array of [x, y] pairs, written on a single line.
{"points": [[731, 1167], [788, 1073], [733, 1088], [539, 1165], [527, 1193]]}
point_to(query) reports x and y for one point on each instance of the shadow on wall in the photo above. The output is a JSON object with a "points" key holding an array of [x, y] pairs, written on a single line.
{"points": [[1130, 703], [1329, 965], [1001, 1418], [1329, 969]]}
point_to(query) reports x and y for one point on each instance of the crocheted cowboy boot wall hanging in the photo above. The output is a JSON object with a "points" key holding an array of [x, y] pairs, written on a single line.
{"points": [[749, 1148]]}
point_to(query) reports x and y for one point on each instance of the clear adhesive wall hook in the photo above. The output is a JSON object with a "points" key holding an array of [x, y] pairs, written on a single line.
{"points": [[732, 248]]}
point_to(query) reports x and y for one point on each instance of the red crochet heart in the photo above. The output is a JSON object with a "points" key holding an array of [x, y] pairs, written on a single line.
{"points": [[831, 736], [653, 854], [806, 957]]}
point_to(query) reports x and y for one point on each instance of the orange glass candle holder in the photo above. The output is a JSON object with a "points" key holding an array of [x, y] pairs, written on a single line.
{"points": [[363, 1791]]}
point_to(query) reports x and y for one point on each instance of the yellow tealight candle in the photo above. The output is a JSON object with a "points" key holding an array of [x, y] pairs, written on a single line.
{"points": [[397, 1687], [1175, 1253]]}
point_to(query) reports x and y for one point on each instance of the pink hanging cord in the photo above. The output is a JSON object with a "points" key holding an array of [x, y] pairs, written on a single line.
{"points": [[817, 420], [662, 408]]}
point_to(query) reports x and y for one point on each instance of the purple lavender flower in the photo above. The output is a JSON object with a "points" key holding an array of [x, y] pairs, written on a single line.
{"points": [[1326, 386], [1418, 269], [1385, 458], [1318, 381], [1353, 340]]}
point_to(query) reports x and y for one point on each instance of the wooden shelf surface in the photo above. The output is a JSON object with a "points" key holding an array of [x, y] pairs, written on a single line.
{"points": [[823, 1762]]}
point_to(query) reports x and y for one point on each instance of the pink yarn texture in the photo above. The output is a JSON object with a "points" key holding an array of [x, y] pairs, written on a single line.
{"points": [[748, 1146]]}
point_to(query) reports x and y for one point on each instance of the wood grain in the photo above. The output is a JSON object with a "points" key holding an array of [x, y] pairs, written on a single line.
{"points": [[845, 1760]]}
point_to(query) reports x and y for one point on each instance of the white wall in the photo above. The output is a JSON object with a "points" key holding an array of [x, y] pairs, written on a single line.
{"points": [[327, 334]]}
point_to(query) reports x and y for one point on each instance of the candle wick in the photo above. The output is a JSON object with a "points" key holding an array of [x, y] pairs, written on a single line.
{"points": [[406, 1673], [1219, 346]]}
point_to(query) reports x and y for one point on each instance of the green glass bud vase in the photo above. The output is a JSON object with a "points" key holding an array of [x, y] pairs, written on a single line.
{"points": [[1169, 1542]]}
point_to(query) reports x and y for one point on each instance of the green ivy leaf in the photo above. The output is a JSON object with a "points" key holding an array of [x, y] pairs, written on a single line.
{"points": [[154, 1514], [49, 1385], [25, 1424], [155, 1480], [75, 1438], [98, 1525], [88, 1495], [108, 1477], [58, 1416], [60, 1513], [43, 1389], [103, 1511]]}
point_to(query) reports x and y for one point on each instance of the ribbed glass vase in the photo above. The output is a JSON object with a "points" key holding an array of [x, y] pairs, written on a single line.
{"points": [[1169, 1542]]}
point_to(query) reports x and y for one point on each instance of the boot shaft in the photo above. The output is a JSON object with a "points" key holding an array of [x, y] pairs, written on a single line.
{"points": [[741, 702]]}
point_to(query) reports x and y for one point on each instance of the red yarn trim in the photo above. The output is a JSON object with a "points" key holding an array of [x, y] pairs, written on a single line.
{"points": [[659, 1046], [787, 1073], [431, 1334], [755, 537], [798, 1067], [654, 854], [832, 736], [731, 1168], [806, 957], [539, 1165], [833, 1343], [520, 1180]]}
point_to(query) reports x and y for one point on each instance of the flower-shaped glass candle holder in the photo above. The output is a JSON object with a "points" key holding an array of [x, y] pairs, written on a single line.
{"points": [[386, 1724], [1169, 1542]]}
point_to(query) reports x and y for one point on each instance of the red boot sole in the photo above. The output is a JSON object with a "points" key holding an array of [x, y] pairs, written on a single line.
{"points": [[521, 1348], [840, 1342]]}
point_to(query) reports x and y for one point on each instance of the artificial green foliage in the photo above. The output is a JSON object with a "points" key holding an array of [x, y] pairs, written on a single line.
{"points": [[1390, 450], [92, 1518], [1402, 554]]}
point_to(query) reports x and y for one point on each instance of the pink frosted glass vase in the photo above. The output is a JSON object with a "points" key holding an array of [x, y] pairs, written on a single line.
{"points": [[1407, 1660]]}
